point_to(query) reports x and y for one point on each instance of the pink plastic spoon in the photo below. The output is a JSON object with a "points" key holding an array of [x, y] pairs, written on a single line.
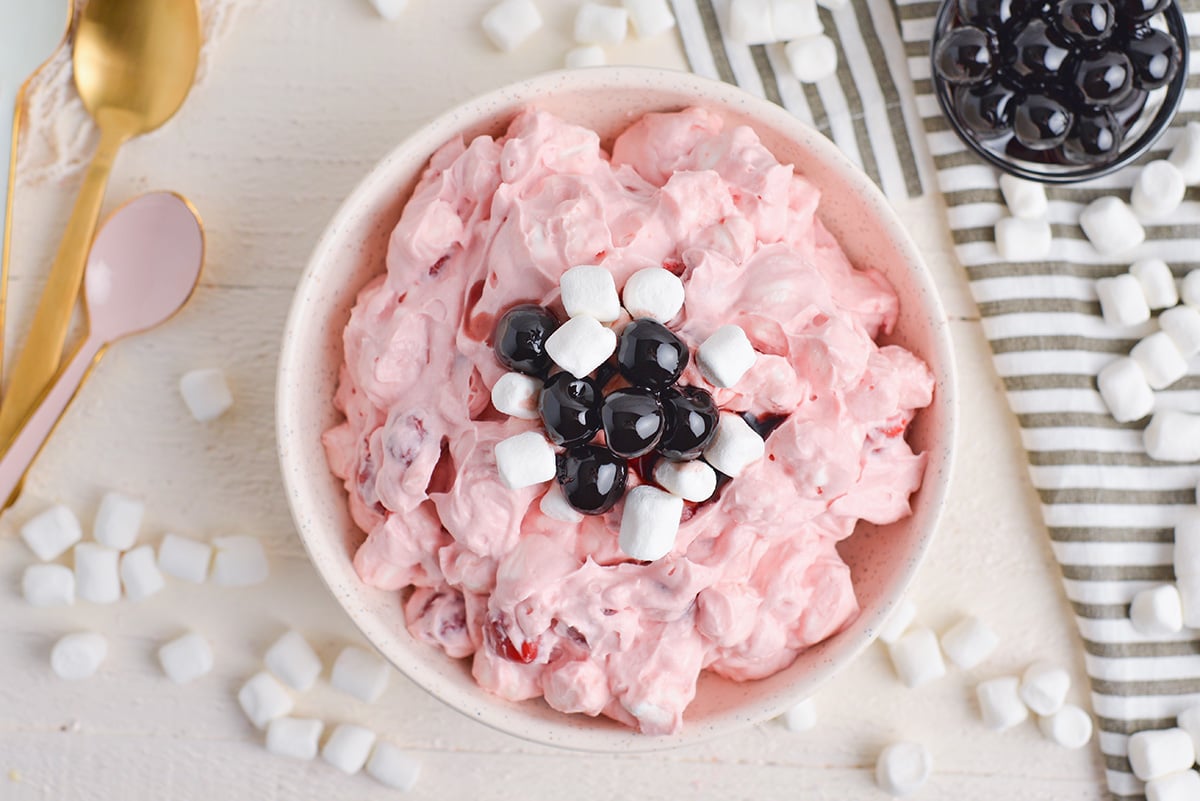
{"points": [[142, 269]]}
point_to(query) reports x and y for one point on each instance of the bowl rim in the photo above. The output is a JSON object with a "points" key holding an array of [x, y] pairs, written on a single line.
{"points": [[470, 113]]}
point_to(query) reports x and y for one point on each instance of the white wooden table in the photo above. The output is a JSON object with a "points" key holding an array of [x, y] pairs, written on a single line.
{"points": [[303, 98]]}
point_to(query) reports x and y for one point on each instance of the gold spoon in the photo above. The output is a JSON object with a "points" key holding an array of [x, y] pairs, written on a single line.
{"points": [[134, 63]]}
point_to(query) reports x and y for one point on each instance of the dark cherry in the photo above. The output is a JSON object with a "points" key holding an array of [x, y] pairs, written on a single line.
{"points": [[993, 14], [1104, 79], [592, 478], [1155, 57], [633, 421], [570, 409], [1037, 52], [520, 339], [649, 355], [964, 55], [1095, 138], [763, 426], [985, 111], [690, 422], [1085, 20], [1141, 10], [1041, 123]]}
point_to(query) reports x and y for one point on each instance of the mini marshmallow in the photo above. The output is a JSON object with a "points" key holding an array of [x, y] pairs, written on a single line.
{"points": [[1156, 753], [898, 621], [1023, 240], [1026, 200], [1186, 154], [52, 532], [348, 747], [1182, 786], [1158, 190], [184, 558], [655, 293], [1160, 360], [186, 658], [1122, 301], [97, 577], [1044, 687], [649, 523], [390, 766], [1182, 325], [78, 656], [525, 459], [585, 56], [1111, 226], [589, 290], [750, 22], [554, 505], [390, 9], [1173, 436], [239, 562], [48, 585], [1000, 704], [1189, 721], [917, 658], [293, 661], [1158, 282], [1157, 611], [902, 768], [693, 481], [725, 356], [294, 737], [117, 521], [580, 345], [263, 699], [795, 20], [735, 446], [510, 23], [516, 395], [969, 642], [649, 17], [360, 674], [801, 717], [140, 575], [812, 59], [206, 394], [603, 25], [1124, 389], [1070, 727], [1189, 289]]}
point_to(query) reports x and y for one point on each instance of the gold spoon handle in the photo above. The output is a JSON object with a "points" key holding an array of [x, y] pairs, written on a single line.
{"points": [[39, 359]]}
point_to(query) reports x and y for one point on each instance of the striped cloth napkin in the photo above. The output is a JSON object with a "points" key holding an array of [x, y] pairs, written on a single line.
{"points": [[1108, 507]]}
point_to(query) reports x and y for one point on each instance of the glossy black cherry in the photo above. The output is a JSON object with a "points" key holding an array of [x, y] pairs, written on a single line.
{"points": [[690, 422], [1085, 21], [1142, 10], [1104, 79], [993, 14], [1095, 138], [1155, 57], [1041, 123], [964, 55], [592, 478], [1037, 53], [520, 339], [650, 355], [986, 111], [570, 409], [633, 421]]}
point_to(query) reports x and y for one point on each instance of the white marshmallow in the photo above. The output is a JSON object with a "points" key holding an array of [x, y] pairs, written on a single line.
{"points": [[898, 621], [48, 585], [52, 532], [348, 747], [1124, 389], [390, 766], [1189, 288], [294, 737], [1157, 611], [206, 393], [78, 656], [812, 59], [184, 558], [1026, 200], [1160, 360], [1122, 301], [390, 9], [1189, 721], [653, 292], [1156, 753], [1000, 704], [1173, 436], [1186, 154], [516, 395], [263, 699], [140, 574], [510, 23], [117, 521], [1111, 226], [725, 356], [603, 25], [97, 576], [1181, 786], [1187, 545], [735, 446], [693, 481], [1044, 687], [649, 17], [1023, 240], [802, 716], [750, 22], [969, 642], [917, 658], [649, 523], [795, 19], [588, 290], [186, 658], [1189, 597], [293, 661], [360, 674], [1182, 325], [1158, 190], [554, 505], [1158, 282], [1070, 727], [580, 345], [239, 562], [585, 56], [525, 459], [902, 768]]}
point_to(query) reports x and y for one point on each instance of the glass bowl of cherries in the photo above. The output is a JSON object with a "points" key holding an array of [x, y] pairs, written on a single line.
{"points": [[1059, 91]]}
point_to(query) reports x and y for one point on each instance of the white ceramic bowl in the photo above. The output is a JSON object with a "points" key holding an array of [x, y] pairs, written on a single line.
{"points": [[351, 251]]}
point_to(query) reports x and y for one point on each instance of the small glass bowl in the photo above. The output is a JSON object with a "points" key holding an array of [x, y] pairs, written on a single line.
{"points": [[1154, 118]]}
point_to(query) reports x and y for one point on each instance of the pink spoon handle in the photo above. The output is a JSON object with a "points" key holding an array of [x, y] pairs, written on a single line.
{"points": [[32, 434]]}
